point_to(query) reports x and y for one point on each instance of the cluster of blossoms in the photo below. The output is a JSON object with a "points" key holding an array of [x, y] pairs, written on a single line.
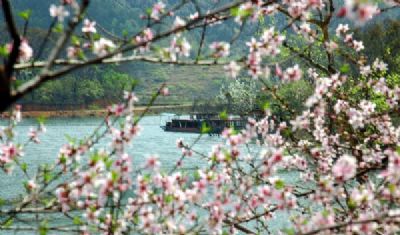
{"points": [[25, 50], [157, 10], [178, 47], [236, 186], [220, 49], [145, 38], [358, 10], [306, 31], [269, 44], [255, 10], [341, 31], [103, 46]]}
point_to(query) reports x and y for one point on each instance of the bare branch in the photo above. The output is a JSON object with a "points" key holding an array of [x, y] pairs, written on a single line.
{"points": [[116, 60], [384, 216]]}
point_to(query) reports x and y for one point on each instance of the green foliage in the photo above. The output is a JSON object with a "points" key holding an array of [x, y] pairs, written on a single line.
{"points": [[388, 35], [205, 128], [3, 51], [25, 14], [223, 115], [85, 88], [294, 93], [239, 96], [89, 90], [279, 184], [44, 227]]}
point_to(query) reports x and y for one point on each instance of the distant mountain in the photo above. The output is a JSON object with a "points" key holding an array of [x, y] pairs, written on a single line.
{"points": [[116, 16]]}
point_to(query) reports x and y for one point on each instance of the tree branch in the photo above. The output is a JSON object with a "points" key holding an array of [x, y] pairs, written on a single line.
{"points": [[46, 75], [7, 71]]}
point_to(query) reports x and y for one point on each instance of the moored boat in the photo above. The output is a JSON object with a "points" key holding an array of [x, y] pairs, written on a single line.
{"points": [[198, 121]]}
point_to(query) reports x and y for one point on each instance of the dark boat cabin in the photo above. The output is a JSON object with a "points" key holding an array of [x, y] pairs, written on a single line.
{"points": [[198, 120]]}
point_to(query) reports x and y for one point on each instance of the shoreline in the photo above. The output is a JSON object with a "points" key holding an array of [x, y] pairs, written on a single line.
{"points": [[100, 112]]}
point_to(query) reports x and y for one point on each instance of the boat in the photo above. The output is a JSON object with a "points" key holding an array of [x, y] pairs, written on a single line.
{"points": [[210, 123]]}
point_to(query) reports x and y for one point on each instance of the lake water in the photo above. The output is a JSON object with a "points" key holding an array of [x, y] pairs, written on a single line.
{"points": [[152, 140]]}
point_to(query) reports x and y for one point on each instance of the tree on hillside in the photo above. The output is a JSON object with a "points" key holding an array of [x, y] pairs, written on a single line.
{"points": [[342, 145], [239, 97]]}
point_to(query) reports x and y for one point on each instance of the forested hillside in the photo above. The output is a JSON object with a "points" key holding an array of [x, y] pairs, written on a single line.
{"points": [[102, 85]]}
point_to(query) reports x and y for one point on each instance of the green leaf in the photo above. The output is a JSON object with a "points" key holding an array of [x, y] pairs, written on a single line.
{"points": [[75, 40], [96, 36], [125, 33], [48, 176], [9, 223], [228, 157], [81, 55], [2, 201], [25, 14], [114, 176], [18, 83], [196, 175], [58, 28], [63, 159], [108, 163], [168, 199], [351, 204], [41, 119], [70, 139], [266, 105], [345, 68], [325, 213], [43, 227], [392, 188], [279, 184], [289, 231], [213, 158], [205, 128], [147, 177], [148, 11], [286, 132], [235, 11], [4, 51], [77, 220], [223, 115], [24, 166], [136, 219]]}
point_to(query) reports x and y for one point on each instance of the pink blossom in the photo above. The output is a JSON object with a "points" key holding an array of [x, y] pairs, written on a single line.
{"points": [[379, 65], [342, 29], [152, 162], [58, 12], [345, 168], [103, 46], [89, 26], [179, 22], [157, 9], [31, 185], [165, 91], [220, 49], [25, 51], [292, 74], [232, 69], [73, 52], [148, 34]]}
